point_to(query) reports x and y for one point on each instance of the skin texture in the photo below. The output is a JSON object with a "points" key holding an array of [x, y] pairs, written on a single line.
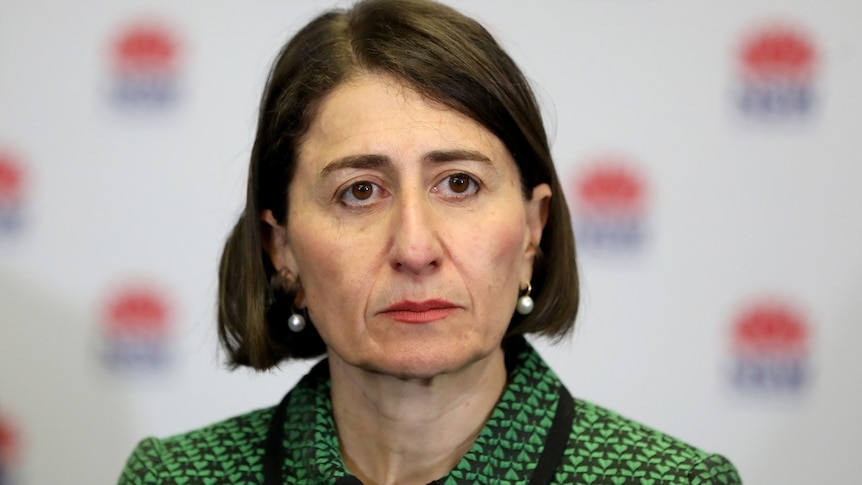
{"points": [[396, 199]]}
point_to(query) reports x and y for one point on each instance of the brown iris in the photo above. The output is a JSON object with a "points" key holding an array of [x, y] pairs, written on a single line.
{"points": [[459, 183], [362, 190]]}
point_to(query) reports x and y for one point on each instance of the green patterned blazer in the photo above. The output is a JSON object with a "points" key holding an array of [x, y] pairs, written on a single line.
{"points": [[600, 447]]}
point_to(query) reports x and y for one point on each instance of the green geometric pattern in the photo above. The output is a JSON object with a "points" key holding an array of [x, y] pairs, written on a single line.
{"points": [[604, 448]]}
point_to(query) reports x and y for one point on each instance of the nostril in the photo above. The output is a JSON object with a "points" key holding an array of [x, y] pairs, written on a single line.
{"points": [[416, 259]]}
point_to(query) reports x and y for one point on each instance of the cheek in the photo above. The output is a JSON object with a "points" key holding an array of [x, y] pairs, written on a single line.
{"points": [[325, 272], [494, 253], [327, 264]]}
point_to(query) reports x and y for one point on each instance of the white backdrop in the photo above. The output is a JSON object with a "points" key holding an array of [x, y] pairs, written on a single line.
{"points": [[719, 238]]}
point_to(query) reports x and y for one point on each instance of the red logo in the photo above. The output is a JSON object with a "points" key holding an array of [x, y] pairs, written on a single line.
{"points": [[778, 52], [145, 60], [11, 179], [11, 195], [770, 342], [146, 47], [610, 187], [137, 312], [777, 67], [8, 447], [770, 328], [136, 329], [609, 205]]}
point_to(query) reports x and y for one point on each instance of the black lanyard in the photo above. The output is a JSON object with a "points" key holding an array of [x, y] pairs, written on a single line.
{"points": [[555, 444]]}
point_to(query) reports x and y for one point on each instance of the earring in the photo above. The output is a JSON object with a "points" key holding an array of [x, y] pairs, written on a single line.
{"points": [[525, 303], [296, 322]]}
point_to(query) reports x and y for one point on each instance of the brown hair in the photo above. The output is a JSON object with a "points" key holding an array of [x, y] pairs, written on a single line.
{"points": [[449, 58]]}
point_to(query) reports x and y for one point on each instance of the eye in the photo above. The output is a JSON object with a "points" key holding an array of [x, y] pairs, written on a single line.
{"points": [[458, 186], [360, 193]]}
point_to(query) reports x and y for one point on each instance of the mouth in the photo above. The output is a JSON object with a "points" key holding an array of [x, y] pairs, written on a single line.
{"points": [[420, 311]]}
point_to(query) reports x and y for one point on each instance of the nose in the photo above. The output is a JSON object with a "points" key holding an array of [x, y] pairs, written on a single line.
{"points": [[416, 245]]}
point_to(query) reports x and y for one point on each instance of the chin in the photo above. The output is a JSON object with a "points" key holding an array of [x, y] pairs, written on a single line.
{"points": [[424, 363]]}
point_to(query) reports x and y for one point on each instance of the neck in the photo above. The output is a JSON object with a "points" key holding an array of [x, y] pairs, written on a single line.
{"points": [[406, 431]]}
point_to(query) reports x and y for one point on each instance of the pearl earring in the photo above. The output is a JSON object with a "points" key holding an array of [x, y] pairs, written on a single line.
{"points": [[296, 322], [525, 303]]}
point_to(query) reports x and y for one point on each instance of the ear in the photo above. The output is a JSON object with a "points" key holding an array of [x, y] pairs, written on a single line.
{"points": [[274, 240], [537, 213]]}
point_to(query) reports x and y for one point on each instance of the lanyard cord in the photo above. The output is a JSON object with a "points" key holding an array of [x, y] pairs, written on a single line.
{"points": [[273, 451], [558, 439], [555, 444]]}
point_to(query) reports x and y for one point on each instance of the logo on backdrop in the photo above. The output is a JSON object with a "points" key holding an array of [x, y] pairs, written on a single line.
{"points": [[145, 66], [136, 329], [9, 446], [770, 347], [11, 194], [776, 71], [609, 205]]}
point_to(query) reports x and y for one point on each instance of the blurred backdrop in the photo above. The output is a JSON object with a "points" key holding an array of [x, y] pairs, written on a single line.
{"points": [[710, 152]]}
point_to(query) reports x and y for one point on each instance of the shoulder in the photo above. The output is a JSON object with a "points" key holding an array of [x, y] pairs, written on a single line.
{"points": [[604, 444], [229, 451]]}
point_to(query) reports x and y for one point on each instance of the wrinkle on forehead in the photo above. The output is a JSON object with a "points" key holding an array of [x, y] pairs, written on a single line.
{"points": [[398, 89]]}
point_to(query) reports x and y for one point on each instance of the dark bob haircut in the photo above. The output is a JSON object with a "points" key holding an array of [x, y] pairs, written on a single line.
{"points": [[448, 58]]}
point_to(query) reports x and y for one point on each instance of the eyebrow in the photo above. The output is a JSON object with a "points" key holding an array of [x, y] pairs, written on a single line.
{"points": [[456, 155], [355, 161], [377, 161]]}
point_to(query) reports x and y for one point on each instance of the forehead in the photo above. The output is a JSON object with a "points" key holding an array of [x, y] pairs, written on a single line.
{"points": [[379, 114]]}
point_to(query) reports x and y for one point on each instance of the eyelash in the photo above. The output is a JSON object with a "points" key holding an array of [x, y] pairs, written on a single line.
{"points": [[347, 198]]}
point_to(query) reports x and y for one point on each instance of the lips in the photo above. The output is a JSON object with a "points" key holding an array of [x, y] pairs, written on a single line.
{"points": [[420, 311]]}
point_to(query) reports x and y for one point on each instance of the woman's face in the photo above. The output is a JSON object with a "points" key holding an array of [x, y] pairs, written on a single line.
{"points": [[409, 231]]}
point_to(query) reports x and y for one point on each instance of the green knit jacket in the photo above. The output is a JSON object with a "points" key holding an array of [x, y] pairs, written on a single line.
{"points": [[603, 447]]}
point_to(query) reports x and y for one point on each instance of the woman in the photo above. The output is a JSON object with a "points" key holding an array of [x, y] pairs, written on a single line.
{"points": [[404, 218]]}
